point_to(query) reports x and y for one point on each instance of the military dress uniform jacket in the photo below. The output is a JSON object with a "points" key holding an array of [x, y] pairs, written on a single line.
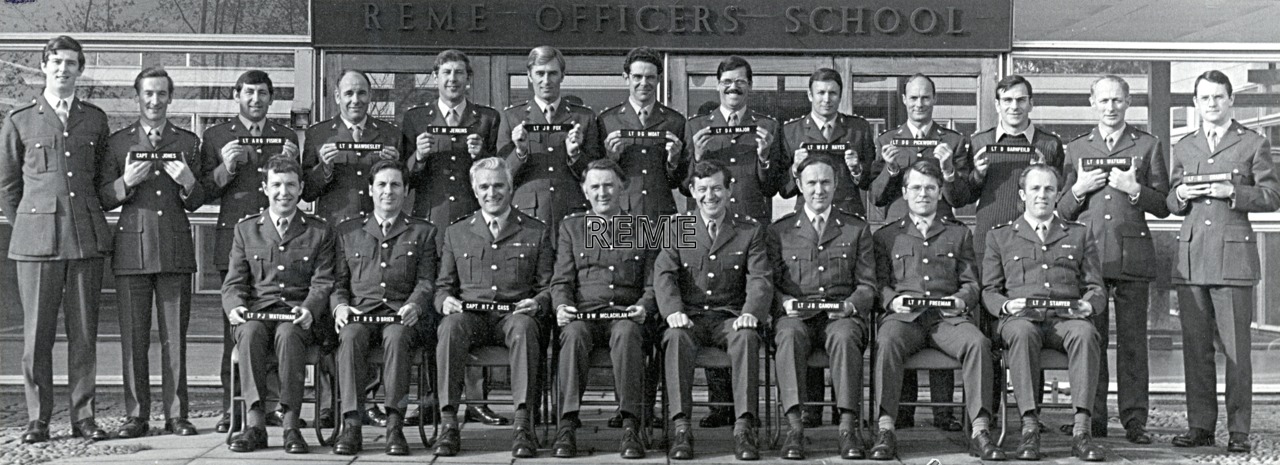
{"points": [[344, 193], [153, 234], [240, 194], [649, 178], [730, 275], [838, 266], [50, 175], [1217, 245], [852, 130], [267, 270], [442, 182], [378, 274], [1120, 226], [935, 265], [547, 184], [754, 182], [997, 193], [1018, 265], [517, 265], [886, 190], [601, 276]]}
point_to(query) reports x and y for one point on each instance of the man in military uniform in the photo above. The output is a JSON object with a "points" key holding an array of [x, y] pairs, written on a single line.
{"points": [[826, 125], [154, 253], [547, 158], [487, 304], [822, 256], [1042, 277], [1114, 203], [714, 291], [386, 267], [1217, 263], [595, 274], [927, 254], [281, 263], [53, 152], [921, 139], [231, 173]]}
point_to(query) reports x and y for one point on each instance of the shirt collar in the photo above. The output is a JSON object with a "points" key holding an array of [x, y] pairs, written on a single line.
{"points": [[502, 219], [1033, 222], [247, 124], [916, 219], [147, 129], [382, 220], [444, 108], [813, 216], [53, 100], [637, 107], [1002, 131], [275, 219], [919, 132], [363, 124], [1105, 135], [819, 120], [1206, 126], [726, 113], [542, 104], [718, 219]]}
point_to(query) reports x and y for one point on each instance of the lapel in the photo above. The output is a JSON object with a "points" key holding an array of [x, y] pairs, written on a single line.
{"points": [[168, 136], [74, 115], [371, 226], [631, 119], [840, 130], [562, 112], [832, 230], [398, 227], [1229, 138], [701, 235], [805, 228], [296, 227], [514, 224], [657, 117], [480, 228], [748, 119], [51, 115], [1124, 142], [469, 116], [726, 233], [267, 229], [1025, 231], [1057, 231], [140, 137], [812, 131]]}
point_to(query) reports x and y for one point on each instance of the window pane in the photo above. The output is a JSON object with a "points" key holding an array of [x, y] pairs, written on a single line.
{"points": [[271, 17], [595, 91]]}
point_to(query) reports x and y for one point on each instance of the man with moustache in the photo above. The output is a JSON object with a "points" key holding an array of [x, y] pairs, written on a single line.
{"points": [[826, 125], [495, 267], [926, 255], [594, 276], [1114, 202], [281, 263], [715, 293], [53, 152], [547, 166], [1217, 263], [1041, 276], [232, 173], [154, 253], [822, 255], [386, 267]]}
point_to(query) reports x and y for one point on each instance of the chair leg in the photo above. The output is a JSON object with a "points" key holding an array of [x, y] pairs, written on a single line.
{"points": [[233, 400], [1004, 404]]}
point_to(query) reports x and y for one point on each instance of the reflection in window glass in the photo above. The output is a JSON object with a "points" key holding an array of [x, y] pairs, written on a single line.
{"points": [[595, 91], [782, 97], [878, 99]]}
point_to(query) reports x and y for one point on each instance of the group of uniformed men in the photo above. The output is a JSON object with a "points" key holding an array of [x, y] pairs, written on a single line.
{"points": [[517, 257]]}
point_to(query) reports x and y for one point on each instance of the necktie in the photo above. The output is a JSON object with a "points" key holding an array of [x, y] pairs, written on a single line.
{"points": [[1042, 230], [493, 228], [255, 130], [1213, 139], [386, 228], [154, 135], [356, 132], [451, 118], [282, 225], [711, 230], [923, 226], [644, 117], [63, 111], [826, 131], [550, 112], [1111, 142], [819, 225], [733, 119]]}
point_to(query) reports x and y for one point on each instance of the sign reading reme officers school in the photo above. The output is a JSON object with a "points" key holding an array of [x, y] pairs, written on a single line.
{"points": [[745, 26]]}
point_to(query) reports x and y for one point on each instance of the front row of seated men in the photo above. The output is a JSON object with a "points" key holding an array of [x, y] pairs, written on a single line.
{"points": [[716, 280]]}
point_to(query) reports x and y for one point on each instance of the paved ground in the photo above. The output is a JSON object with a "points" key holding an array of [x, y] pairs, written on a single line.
{"points": [[490, 445]]}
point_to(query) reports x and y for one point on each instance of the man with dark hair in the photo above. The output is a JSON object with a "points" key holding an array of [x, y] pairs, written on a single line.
{"points": [[1041, 276], [824, 127], [1114, 201], [716, 293], [928, 255], [281, 263], [1217, 263], [386, 267], [155, 255], [53, 160], [231, 174], [825, 289]]}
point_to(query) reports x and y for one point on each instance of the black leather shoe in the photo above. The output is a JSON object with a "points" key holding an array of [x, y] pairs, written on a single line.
{"points": [[88, 429], [886, 447], [523, 444], [566, 445], [482, 414], [811, 417], [1095, 430], [851, 445], [948, 423], [1238, 442], [224, 424], [396, 442], [250, 440], [375, 416], [1195, 437], [1030, 447], [793, 446], [616, 420], [180, 427], [294, 443], [133, 427], [681, 445], [1083, 448], [719, 416], [986, 449], [449, 442], [631, 446], [275, 418], [745, 444], [37, 431], [350, 440], [1137, 435], [324, 419]]}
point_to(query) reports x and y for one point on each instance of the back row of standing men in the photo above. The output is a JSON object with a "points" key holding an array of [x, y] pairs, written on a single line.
{"points": [[60, 168]]}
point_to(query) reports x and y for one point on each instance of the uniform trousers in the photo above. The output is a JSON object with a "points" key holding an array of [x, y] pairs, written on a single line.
{"points": [[171, 293], [843, 339], [458, 333], [44, 287], [1222, 314], [625, 339], [1023, 340], [897, 341], [681, 345]]}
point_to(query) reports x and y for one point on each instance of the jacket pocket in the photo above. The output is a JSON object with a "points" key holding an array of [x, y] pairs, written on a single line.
{"points": [[128, 244], [35, 228], [1240, 254], [1138, 253], [37, 157]]}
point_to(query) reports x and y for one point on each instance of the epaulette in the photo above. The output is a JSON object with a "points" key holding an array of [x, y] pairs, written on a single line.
{"points": [[123, 129], [357, 219], [23, 107], [853, 214], [990, 129], [314, 217], [743, 218], [609, 109], [1240, 130], [251, 216], [886, 131], [571, 215], [792, 120], [942, 128], [90, 105], [459, 220], [1188, 135], [699, 116], [1082, 136], [521, 216], [582, 105], [1073, 223], [1137, 131], [766, 115], [181, 130], [526, 102], [952, 219], [318, 124], [998, 226], [787, 216]]}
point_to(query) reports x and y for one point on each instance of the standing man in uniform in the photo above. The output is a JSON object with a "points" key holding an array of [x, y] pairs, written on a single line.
{"points": [[822, 255], [826, 125], [715, 293], [154, 253], [929, 255], [1114, 203], [386, 266], [281, 263], [609, 272], [495, 268], [1042, 277], [53, 152], [1217, 264], [231, 173]]}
